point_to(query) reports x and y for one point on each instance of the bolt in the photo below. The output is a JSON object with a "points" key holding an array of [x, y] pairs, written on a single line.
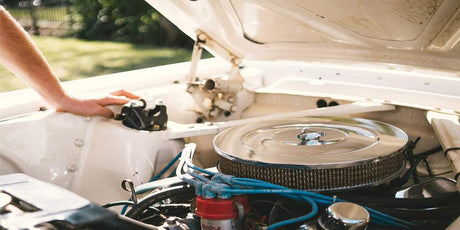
{"points": [[236, 61], [71, 168], [190, 89], [79, 142], [202, 37], [159, 101], [212, 113]]}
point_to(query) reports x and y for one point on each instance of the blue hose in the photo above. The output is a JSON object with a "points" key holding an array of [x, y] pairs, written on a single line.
{"points": [[171, 163], [226, 185], [265, 187], [313, 212], [156, 177], [326, 200], [202, 170]]}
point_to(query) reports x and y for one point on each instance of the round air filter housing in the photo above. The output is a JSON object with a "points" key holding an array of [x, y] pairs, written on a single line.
{"points": [[316, 154]]}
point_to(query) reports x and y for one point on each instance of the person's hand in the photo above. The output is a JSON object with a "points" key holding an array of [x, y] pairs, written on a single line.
{"points": [[94, 107]]}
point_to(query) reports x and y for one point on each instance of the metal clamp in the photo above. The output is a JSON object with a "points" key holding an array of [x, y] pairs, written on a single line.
{"points": [[128, 185]]}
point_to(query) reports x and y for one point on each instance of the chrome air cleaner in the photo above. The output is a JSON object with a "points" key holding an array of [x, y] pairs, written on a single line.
{"points": [[317, 154]]}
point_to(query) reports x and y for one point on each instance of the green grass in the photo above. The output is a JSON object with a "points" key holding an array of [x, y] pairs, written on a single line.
{"points": [[74, 59]]}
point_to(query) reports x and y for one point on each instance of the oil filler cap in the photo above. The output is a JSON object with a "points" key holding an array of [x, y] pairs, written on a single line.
{"points": [[344, 215]]}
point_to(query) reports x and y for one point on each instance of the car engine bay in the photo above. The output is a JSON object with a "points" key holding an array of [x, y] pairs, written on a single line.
{"points": [[307, 118], [338, 165]]}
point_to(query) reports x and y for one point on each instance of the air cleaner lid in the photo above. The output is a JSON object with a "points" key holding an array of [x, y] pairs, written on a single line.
{"points": [[320, 142]]}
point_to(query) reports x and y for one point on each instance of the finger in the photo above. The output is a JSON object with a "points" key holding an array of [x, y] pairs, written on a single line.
{"points": [[112, 101], [59, 109], [105, 112], [125, 93]]}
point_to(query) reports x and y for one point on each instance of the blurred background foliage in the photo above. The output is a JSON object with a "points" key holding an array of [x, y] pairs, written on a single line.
{"points": [[86, 38], [133, 21]]}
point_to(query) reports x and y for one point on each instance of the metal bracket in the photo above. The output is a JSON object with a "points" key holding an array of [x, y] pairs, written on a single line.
{"points": [[216, 97], [196, 56]]}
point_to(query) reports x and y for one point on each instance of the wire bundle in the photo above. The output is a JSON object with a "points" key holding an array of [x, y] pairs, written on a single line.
{"points": [[224, 186]]}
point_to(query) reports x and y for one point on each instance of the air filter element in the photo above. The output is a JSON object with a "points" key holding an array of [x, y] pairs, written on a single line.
{"points": [[316, 154]]}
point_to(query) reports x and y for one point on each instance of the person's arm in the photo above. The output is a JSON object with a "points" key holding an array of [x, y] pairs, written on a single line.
{"points": [[21, 56]]}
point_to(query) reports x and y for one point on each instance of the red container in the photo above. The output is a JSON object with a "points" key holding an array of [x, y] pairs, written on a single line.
{"points": [[216, 213]]}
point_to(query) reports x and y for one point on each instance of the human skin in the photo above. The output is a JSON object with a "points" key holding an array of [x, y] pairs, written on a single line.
{"points": [[20, 55]]}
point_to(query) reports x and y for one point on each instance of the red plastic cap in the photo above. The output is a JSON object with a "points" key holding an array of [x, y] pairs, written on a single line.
{"points": [[220, 209]]}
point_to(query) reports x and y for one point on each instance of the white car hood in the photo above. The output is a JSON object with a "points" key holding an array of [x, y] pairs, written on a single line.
{"points": [[421, 33]]}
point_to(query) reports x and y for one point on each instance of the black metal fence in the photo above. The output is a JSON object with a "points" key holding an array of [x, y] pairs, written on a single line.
{"points": [[40, 16]]}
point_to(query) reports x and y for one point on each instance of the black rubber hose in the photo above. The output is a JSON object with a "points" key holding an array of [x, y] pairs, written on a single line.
{"points": [[411, 203], [117, 203], [182, 191], [430, 214]]}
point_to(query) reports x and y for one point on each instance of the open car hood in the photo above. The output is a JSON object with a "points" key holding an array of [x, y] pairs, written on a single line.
{"points": [[422, 33]]}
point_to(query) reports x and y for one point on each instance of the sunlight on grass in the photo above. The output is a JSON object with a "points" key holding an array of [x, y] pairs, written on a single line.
{"points": [[74, 59]]}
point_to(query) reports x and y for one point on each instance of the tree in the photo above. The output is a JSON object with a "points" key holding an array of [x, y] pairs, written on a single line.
{"points": [[127, 21]]}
